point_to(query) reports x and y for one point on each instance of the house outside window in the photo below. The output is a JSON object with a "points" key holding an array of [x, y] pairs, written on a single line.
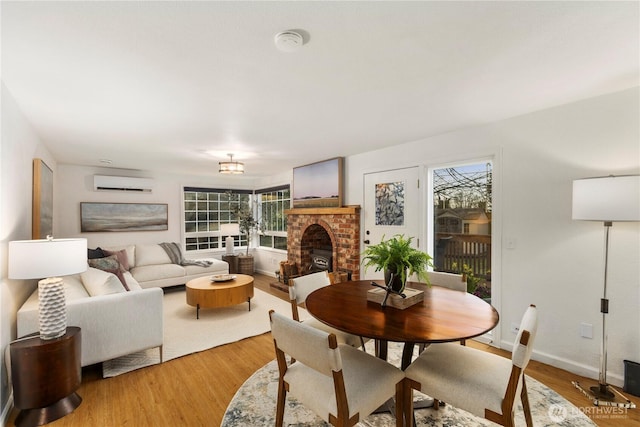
{"points": [[204, 210], [272, 202]]}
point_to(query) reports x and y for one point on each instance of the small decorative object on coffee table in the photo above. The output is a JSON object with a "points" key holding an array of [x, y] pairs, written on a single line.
{"points": [[219, 291], [46, 375]]}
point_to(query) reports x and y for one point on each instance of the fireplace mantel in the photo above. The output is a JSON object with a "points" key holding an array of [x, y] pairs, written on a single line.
{"points": [[345, 210]]}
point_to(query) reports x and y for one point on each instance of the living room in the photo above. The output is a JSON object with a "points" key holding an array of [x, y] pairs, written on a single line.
{"points": [[551, 260]]}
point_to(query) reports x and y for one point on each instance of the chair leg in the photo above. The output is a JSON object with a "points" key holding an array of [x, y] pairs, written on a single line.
{"points": [[407, 401], [362, 344], [525, 404], [282, 397], [400, 403]]}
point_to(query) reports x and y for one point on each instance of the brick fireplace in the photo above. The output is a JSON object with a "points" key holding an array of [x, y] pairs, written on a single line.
{"points": [[334, 229]]}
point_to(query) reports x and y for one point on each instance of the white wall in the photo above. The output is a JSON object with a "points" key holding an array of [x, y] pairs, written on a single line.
{"points": [[557, 263], [19, 146]]}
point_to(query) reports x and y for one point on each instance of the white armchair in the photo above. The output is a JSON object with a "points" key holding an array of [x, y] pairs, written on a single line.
{"points": [[484, 384], [341, 384]]}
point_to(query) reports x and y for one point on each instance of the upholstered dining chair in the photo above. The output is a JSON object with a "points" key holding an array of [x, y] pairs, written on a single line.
{"points": [[484, 384], [454, 281], [300, 287], [339, 383]]}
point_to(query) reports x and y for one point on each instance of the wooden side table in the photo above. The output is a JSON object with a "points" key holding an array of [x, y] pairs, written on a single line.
{"points": [[46, 375], [232, 260]]}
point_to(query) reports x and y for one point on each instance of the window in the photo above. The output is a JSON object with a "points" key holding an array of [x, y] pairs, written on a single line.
{"points": [[462, 210], [272, 202], [204, 210]]}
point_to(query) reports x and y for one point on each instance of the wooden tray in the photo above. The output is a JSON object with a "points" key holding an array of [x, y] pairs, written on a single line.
{"points": [[414, 296]]}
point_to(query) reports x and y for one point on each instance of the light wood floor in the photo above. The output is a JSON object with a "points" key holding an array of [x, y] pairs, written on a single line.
{"points": [[195, 390]]}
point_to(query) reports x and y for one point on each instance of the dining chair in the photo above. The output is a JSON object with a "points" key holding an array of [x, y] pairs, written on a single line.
{"points": [[454, 281], [339, 383], [300, 287], [484, 384]]}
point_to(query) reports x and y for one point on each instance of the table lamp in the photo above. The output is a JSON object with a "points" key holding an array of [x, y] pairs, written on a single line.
{"points": [[229, 230], [48, 258], [606, 199]]}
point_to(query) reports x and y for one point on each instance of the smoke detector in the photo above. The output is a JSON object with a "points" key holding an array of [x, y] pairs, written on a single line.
{"points": [[289, 41]]}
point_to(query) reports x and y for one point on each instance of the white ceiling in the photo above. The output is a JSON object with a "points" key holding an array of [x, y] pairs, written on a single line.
{"points": [[158, 85]]}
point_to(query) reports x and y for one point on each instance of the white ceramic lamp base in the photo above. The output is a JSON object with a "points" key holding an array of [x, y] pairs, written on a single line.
{"points": [[53, 308], [228, 245]]}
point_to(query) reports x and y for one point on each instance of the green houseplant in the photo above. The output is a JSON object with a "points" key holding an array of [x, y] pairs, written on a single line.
{"points": [[246, 222], [396, 256]]}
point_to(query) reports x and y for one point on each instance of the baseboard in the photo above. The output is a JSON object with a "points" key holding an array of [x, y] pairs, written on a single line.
{"points": [[6, 411], [569, 365], [266, 273]]}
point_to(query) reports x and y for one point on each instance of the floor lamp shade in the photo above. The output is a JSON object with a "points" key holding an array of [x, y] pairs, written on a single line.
{"points": [[229, 230], [611, 198], [47, 260], [606, 199]]}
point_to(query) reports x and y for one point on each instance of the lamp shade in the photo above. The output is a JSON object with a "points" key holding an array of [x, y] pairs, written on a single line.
{"points": [[37, 259], [611, 198], [230, 229]]}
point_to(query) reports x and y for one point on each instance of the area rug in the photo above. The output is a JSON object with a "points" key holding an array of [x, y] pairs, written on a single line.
{"points": [[255, 402], [184, 334]]}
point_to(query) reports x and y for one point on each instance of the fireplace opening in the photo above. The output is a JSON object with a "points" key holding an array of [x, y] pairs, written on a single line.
{"points": [[317, 250], [321, 260]]}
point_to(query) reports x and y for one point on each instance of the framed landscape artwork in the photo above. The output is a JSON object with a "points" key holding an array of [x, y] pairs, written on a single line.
{"points": [[98, 217], [42, 216], [318, 185]]}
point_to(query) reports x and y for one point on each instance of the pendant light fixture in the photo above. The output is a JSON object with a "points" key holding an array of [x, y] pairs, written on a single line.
{"points": [[231, 167]]}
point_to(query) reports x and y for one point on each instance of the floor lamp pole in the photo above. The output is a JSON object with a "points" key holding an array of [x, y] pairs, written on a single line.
{"points": [[601, 390]]}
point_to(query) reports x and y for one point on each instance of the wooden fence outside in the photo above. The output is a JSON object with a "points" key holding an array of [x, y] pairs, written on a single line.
{"points": [[455, 250]]}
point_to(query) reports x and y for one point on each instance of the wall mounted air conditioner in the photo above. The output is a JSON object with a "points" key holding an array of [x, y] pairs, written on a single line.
{"points": [[122, 183]]}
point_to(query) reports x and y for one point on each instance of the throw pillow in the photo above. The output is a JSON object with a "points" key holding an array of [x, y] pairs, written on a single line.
{"points": [[109, 264], [95, 253], [99, 282], [121, 255]]}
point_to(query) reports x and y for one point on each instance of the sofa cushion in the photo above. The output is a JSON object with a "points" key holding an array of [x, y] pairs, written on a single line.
{"points": [[216, 266], [98, 282], [132, 283], [95, 253], [122, 257], [110, 264], [151, 255], [147, 273], [73, 288], [129, 249]]}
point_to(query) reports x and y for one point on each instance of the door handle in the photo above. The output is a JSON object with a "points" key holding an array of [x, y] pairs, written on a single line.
{"points": [[366, 242]]}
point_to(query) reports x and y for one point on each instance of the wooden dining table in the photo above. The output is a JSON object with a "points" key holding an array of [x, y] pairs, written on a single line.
{"points": [[444, 315]]}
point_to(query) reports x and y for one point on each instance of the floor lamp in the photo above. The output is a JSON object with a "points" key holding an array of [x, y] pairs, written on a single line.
{"points": [[606, 199]]}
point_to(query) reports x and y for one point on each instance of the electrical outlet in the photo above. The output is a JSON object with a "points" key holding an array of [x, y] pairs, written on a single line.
{"points": [[515, 327]]}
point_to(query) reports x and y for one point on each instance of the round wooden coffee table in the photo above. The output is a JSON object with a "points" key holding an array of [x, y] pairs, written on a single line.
{"points": [[205, 293]]}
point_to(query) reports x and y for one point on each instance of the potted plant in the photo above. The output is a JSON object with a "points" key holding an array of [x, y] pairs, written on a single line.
{"points": [[247, 224], [398, 259]]}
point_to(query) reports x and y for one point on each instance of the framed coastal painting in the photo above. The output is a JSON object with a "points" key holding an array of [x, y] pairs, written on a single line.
{"points": [[42, 203], [98, 217], [319, 185]]}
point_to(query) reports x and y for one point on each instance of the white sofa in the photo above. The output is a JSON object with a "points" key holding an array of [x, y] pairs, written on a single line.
{"points": [[114, 322], [151, 266]]}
